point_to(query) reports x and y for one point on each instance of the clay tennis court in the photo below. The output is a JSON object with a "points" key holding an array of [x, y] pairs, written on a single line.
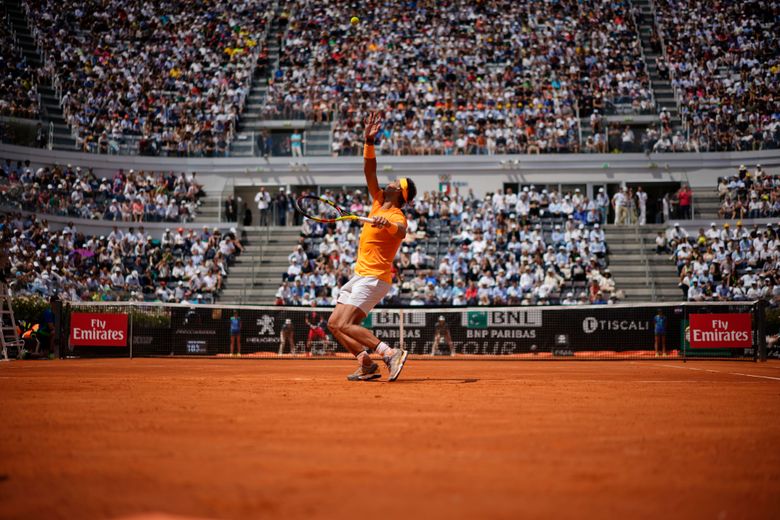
{"points": [[450, 439]]}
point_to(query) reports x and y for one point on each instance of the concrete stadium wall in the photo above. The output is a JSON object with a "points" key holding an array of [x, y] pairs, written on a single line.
{"points": [[480, 173]]}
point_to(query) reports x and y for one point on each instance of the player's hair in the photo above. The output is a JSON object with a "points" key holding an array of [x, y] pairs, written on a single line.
{"points": [[411, 190]]}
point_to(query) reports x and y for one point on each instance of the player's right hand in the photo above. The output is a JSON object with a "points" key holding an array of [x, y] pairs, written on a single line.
{"points": [[380, 222]]}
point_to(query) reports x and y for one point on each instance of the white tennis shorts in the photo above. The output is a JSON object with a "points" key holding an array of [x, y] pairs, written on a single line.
{"points": [[364, 292]]}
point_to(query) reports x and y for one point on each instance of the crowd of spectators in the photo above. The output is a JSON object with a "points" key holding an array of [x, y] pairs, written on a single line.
{"points": [[461, 77], [18, 93], [723, 62], [171, 77], [749, 195], [181, 266], [132, 196], [726, 263], [536, 248]]}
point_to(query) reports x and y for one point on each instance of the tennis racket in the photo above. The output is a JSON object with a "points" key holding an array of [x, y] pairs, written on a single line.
{"points": [[322, 210]]}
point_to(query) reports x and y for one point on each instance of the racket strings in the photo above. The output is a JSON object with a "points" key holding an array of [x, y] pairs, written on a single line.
{"points": [[316, 208]]}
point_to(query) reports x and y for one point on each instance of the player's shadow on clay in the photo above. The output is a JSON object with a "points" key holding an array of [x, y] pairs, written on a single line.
{"points": [[432, 380]]}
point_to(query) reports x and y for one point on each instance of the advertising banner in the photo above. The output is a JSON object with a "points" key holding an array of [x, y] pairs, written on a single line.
{"points": [[591, 331], [721, 330], [98, 329]]}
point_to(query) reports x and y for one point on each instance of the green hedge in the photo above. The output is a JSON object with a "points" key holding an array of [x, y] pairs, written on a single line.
{"points": [[29, 308]]}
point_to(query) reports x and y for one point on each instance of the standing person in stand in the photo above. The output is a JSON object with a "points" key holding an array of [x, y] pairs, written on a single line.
{"points": [[620, 204], [641, 200], [263, 201], [684, 199], [231, 209], [379, 243]]}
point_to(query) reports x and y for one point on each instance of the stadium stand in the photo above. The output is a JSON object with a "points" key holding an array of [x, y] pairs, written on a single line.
{"points": [[134, 76], [535, 248], [746, 195], [723, 62], [75, 192], [18, 93], [181, 266], [726, 263], [733, 261], [479, 78]]}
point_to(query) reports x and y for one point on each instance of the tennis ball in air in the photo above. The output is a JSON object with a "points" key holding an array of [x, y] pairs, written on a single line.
{"points": [[354, 20]]}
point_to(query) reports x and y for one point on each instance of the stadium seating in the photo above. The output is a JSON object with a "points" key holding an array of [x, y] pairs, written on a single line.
{"points": [[733, 261], [461, 77], [511, 76], [723, 62], [181, 266], [747, 195], [150, 77], [75, 192], [538, 248], [18, 94]]}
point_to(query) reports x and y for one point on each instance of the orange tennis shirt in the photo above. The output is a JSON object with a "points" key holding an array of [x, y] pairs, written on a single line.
{"points": [[378, 247]]}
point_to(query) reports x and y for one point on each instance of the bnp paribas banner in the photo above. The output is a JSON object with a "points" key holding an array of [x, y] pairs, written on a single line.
{"points": [[561, 331]]}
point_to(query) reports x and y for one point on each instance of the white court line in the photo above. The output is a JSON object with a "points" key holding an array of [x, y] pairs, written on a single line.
{"points": [[752, 375], [719, 372]]}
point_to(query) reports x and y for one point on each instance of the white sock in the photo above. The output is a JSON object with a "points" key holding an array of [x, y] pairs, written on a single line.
{"points": [[364, 358], [383, 349]]}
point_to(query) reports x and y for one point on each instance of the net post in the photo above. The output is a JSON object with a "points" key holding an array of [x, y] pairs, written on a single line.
{"points": [[130, 335], [760, 351], [56, 338], [401, 321], [685, 332]]}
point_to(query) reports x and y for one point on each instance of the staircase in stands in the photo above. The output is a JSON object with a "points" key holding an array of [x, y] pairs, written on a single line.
{"points": [[246, 143], [638, 271], [50, 105], [662, 88], [257, 273]]}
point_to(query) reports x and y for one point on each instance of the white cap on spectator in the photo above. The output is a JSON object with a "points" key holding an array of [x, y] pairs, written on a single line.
{"points": [[596, 225], [676, 224]]}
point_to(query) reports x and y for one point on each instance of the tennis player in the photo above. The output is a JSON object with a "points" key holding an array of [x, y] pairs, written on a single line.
{"points": [[379, 243]]}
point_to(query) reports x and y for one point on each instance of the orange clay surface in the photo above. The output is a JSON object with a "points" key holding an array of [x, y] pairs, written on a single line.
{"points": [[229, 438]]}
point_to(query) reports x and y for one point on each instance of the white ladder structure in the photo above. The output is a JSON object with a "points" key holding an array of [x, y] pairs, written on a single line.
{"points": [[9, 335]]}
